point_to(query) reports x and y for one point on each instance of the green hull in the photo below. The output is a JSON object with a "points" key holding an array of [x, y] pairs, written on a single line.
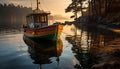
{"points": [[48, 37]]}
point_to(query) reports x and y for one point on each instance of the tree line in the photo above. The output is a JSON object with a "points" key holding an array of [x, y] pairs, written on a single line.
{"points": [[11, 15], [97, 11]]}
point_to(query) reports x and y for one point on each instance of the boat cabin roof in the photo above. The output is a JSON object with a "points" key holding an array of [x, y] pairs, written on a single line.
{"points": [[38, 14]]}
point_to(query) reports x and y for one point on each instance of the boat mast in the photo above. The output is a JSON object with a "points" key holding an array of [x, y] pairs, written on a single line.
{"points": [[38, 4]]}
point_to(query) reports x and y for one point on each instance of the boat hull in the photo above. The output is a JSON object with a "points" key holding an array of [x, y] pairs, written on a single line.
{"points": [[50, 32]]}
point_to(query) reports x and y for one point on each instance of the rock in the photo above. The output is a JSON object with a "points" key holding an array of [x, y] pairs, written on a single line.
{"points": [[107, 65]]}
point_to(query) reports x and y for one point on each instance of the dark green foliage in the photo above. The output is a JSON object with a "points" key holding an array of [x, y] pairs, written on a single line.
{"points": [[76, 6], [98, 11]]}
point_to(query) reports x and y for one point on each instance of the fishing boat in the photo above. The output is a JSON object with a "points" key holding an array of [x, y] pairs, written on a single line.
{"points": [[37, 26]]}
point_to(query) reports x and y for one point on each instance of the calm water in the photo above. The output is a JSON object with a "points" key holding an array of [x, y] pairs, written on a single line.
{"points": [[17, 52]]}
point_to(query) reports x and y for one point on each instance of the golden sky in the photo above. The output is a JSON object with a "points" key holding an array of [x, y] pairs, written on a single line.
{"points": [[56, 7]]}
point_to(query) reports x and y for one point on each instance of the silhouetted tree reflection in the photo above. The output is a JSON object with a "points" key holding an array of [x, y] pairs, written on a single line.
{"points": [[96, 49], [85, 60], [81, 48]]}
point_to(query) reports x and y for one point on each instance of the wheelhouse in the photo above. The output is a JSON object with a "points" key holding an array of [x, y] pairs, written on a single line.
{"points": [[37, 20]]}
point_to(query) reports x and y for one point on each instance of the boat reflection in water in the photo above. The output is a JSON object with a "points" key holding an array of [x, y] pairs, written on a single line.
{"points": [[41, 50]]}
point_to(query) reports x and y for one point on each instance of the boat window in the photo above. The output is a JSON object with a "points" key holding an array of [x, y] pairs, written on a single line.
{"points": [[36, 19], [30, 21], [43, 19], [40, 19]]}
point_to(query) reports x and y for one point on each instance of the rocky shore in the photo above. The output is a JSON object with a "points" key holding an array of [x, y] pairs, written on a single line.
{"points": [[105, 57]]}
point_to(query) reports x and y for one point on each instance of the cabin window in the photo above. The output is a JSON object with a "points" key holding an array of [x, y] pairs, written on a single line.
{"points": [[40, 19], [30, 21], [37, 19]]}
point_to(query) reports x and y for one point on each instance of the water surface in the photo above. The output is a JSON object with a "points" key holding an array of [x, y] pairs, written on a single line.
{"points": [[21, 53]]}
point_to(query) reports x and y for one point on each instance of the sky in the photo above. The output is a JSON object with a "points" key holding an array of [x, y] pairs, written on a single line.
{"points": [[56, 7]]}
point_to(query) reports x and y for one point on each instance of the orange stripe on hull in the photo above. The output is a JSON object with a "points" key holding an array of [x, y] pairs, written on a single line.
{"points": [[56, 29]]}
